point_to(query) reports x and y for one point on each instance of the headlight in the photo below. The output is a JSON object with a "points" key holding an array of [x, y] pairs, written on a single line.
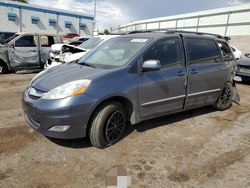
{"points": [[67, 90], [52, 55]]}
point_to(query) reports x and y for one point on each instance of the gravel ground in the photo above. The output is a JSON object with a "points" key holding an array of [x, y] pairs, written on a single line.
{"points": [[199, 148]]}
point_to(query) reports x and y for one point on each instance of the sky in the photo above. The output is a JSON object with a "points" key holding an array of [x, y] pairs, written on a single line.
{"points": [[112, 13]]}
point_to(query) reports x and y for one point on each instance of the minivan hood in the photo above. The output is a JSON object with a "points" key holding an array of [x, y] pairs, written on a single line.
{"points": [[65, 73]]}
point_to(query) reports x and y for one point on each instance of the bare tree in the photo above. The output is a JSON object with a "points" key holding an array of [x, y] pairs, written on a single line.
{"points": [[106, 32]]}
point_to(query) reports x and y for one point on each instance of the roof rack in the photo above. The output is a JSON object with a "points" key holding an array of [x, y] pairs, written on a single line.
{"points": [[199, 33], [139, 31], [181, 31]]}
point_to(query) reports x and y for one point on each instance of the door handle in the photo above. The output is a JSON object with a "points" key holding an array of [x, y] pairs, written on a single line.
{"points": [[193, 71], [32, 51], [181, 73]]}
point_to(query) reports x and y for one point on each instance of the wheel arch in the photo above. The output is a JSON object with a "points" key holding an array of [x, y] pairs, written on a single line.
{"points": [[128, 105]]}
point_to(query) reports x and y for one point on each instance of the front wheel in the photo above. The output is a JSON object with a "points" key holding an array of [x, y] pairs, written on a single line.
{"points": [[108, 125], [226, 97], [3, 69]]}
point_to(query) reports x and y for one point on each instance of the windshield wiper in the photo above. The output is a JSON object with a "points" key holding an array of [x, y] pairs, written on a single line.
{"points": [[87, 64]]}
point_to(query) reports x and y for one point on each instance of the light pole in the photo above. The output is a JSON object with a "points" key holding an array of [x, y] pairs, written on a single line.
{"points": [[94, 22]]}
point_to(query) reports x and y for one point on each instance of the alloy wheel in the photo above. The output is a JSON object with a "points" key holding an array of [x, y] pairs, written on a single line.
{"points": [[226, 95], [115, 126]]}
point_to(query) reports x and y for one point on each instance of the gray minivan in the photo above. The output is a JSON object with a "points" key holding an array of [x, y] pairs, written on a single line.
{"points": [[130, 78], [24, 51]]}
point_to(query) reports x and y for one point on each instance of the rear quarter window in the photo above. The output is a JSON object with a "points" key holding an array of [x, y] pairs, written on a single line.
{"points": [[202, 51]]}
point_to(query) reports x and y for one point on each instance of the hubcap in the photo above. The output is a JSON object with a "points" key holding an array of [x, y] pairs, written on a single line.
{"points": [[115, 126], [1, 69], [226, 95]]}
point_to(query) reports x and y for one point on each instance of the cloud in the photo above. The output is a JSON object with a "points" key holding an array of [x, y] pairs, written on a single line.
{"points": [[112, 13], [108, 13]]}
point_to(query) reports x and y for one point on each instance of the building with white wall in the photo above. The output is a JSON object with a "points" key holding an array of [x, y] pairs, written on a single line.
{"points": [[233, 21], [20, 17]]}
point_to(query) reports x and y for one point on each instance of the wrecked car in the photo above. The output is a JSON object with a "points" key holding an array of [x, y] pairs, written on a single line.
{"points": [[237, 53], [26, 51], [130, 78], [243, 70], [64, 53]]}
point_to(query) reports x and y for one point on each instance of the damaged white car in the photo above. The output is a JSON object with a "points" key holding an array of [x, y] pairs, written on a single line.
{"points": [[64, 53]]}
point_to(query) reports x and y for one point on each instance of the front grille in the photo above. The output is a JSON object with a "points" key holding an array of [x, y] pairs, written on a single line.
{"points": [[34, 124]]}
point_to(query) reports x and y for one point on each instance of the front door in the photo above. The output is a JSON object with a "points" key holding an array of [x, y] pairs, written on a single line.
{"points": [[25, 52], [163, 91]]}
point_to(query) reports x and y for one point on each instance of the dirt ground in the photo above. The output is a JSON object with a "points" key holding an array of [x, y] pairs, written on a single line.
{"points": [[200, 148]]}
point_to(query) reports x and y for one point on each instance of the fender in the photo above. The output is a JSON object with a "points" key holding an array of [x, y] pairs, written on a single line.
{"points": [[134, 116]]}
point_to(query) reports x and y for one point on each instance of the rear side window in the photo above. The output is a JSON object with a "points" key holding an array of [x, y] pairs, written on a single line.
{"points": [[225, 51], [202, 51], [167, 51], [47, 41], [26, 41]]}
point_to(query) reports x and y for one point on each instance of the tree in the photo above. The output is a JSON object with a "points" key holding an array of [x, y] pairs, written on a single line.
{"points": [[21, 1], [106, 32]]}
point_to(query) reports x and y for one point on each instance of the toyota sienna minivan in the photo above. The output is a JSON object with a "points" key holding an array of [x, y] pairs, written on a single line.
{"points": [[129, 79]]}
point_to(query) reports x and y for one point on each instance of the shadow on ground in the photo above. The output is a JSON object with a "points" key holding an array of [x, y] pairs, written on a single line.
{"points": [[140, 127]]}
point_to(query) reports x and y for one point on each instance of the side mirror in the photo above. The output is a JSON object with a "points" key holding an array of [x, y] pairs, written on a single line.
{"points": [[151, 65]]}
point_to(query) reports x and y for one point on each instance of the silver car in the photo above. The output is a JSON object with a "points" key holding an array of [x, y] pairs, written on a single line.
{"points": [[130, 78], [23, 51]]}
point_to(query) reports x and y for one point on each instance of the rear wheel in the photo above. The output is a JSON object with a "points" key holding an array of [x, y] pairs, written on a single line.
{"points": [[226, 97], [107, 125]]}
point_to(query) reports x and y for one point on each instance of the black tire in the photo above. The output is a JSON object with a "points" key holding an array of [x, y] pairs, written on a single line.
{"points": [[3, 69], [226, 97], [110, 117]]}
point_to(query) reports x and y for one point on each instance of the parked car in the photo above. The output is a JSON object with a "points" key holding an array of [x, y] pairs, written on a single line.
{"points": [[75, 43], [130, 78], [65, 53], [5, 35], [243, 70], [70, 35], [24, 51], [247, 55], [82, 39], [237, 53]]}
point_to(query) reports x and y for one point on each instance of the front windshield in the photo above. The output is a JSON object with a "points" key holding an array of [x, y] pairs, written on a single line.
{"points": [[91, 43], [10, 39], [115, 52]]}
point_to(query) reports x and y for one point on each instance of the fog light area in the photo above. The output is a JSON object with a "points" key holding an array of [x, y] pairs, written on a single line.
{"points": [[59, 128]]}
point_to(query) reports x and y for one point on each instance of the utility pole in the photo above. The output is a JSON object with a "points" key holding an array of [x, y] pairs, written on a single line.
{"points": [[94, 9], [94, 17]]}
